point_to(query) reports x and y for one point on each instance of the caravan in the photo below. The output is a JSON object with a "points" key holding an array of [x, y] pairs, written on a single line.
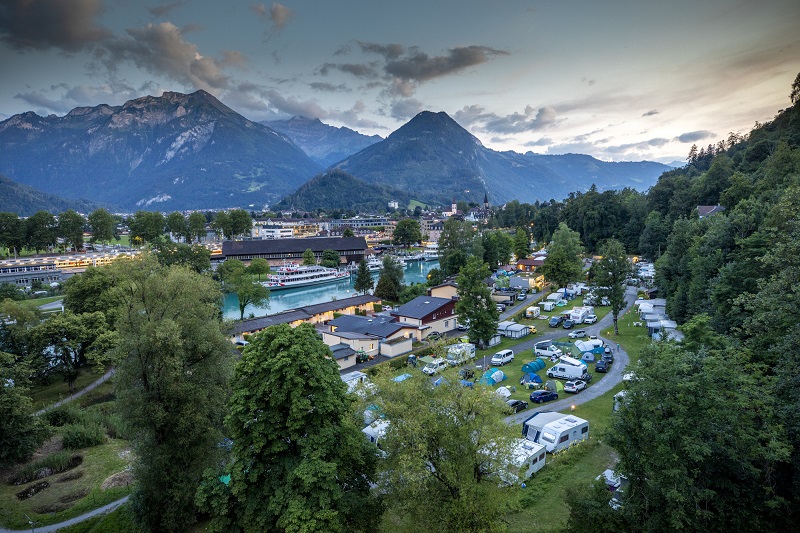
{"points": [[354, 379], [555, 431], [458, 354], [528, 457]]}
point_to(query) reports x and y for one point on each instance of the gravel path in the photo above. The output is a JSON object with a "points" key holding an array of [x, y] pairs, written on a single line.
{"points": [[78, 394], [72, 521]]}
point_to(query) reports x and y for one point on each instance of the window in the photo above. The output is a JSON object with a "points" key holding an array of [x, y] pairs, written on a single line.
{"points": [[564, 438], [446, 323], [541, 457], [585, 430]]}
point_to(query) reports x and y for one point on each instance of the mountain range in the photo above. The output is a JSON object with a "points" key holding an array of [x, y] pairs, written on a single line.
{"points": [[181, 151], [25, 201]]}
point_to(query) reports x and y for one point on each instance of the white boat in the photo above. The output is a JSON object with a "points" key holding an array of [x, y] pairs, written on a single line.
{"points": [[431, 252], [374, 264], [290, 276]]}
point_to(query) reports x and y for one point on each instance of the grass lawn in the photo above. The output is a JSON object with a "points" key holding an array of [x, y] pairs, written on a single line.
{"points": [[40, 301], [44, 395], [66, 498], [118, 520]]}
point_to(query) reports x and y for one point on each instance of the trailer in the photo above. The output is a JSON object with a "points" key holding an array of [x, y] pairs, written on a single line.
{"points": [[458, 354], [528, 457], [533, 312], [555, 431]]}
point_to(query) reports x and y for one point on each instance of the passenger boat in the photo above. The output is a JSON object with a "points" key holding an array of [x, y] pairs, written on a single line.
{"points": [[431, 252], [292, 275]]}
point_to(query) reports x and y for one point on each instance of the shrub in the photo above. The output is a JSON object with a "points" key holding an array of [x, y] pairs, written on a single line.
{"points": [[46, 466], [62, 416], [83, 435]]}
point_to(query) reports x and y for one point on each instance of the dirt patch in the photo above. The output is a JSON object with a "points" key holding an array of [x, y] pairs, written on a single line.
{"points": [[51, 508], [50, 446], [120, 479], [77, 495], [33, 490], [72, 476]]}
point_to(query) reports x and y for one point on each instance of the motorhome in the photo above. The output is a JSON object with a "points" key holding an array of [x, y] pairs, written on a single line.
{"points": [[533, 312], [354, 379], [567, 360], [566, 371], [579, 314], [555, 431], [546, 349], [458, 354], [376, 431]]}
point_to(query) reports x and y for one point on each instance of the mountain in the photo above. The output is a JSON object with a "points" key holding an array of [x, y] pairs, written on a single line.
{"points": [[336, 189], [25, 201], [322, 143], [176, 151], [435, 160]]}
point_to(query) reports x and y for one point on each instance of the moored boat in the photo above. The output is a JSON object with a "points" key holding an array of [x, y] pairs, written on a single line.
{"points": [[292, 275]]}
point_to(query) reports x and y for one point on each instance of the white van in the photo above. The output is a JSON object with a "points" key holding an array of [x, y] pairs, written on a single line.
{"points": [[566, 371]]}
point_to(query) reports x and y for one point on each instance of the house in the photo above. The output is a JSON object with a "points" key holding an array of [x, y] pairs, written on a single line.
{"points": [[428, 314], [277, 251], [448, 289], [344, 355]]}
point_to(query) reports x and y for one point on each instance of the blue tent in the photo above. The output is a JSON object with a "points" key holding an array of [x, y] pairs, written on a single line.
{"points": [[466, 383], [588, 357], [534, 366], [492, 376], [401, 377], [530, 377], [438, 381]]}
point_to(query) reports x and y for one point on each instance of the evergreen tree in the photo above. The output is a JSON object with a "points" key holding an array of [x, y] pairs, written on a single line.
{"points": [[363, 282], [390, 282], [522, 244]]}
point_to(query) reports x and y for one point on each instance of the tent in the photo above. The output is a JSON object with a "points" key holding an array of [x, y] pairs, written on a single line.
{"points": [[534, 366], [439, 381], [401, 377], [530, 379], [504, 392], [492, 376], [554, 385], [588, 357], [466, 383]]}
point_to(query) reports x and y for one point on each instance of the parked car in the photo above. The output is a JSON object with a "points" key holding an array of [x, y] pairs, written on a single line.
{"points": [[601, 366], [462, 327], [607, 349], [541, 396], [435, 336], [521, 297], [568, 324], [502, 357], [500, 307], [577, 334], [517, 405], [574, 386], [555, 321], [608, 358], [591, 319], [532, 329], [435, 366]]}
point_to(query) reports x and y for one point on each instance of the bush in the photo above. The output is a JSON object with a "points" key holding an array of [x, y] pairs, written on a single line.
{"points": [[62, 416], [46, 466], [83, 435]]}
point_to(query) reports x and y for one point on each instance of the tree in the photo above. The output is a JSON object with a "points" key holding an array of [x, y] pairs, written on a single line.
{"points": [[177, 225], [70, 228], [522, 243], [475, 305], [15, 328], [196, 257], [696, 434], [610, 274], [248, 292], [171, 382], [309, 259], [64, 342], [87, 292], [330, 259], [348, 232], [300, 462], [146, 226], [222, 225], [563, 263], [12, 232], [102, 224], [390, 281], [363, 282], [40, 231], [196, 226], [454, 240], [230, 269], [794, 96], [258, 266], [435, 277], [446, 448], [21, 432], [240, 222], [407, 232]]}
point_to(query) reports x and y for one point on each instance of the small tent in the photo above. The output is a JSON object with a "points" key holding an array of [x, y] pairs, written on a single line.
{"points": [[401, 378], [554, 385], [503, 392], [588, 357], [530, 380], [492, 377], [534, 366]]}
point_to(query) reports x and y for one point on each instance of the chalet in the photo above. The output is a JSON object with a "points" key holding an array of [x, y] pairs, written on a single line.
{"points": [[428, 314], [277, 251]]}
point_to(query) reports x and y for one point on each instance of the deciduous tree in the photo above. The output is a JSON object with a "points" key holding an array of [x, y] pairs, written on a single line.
{"points": [[390, 282], [563, 263], [407, 232], [309, 259], [102, 224], [610, 274], [12, 232], [196, 226], [258, 266], [475, 305], [21, 432], [146, 226], [177, 225], [40, 231], [330, 259]]}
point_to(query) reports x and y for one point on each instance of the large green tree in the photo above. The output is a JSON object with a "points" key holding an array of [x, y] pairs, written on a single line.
{"points": [[309, 259], [20, 432], [300, 461], [87, 292], [363, 282], [563, 263], [446, 448], [70, 229], [196, 257], [390, 282], [102, 224], [407, 232], [171, 383], [196, 226], [609, 275], [12, 232], [240, 222], [258, 266], [146, 226], [248, 292], [522, 243], [178, 226], [475, 305], [330, 259], [454, 241], [40, 231]]}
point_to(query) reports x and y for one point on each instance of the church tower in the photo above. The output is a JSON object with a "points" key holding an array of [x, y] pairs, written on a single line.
{"points": [[454, 207], [486, 200]]}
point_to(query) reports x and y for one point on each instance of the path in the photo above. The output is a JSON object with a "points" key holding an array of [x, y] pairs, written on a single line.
{"points": [[78, 394], [72, 521], [58, 305]]}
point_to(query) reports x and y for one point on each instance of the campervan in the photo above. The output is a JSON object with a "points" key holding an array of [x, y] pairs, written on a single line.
{"points": [[546, 349], [562, 370], [458, 354], [533, 312], [555, 431], [567, 360], [354, 379], [579, 314]]}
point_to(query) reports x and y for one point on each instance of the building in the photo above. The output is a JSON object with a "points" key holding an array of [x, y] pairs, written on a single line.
{"points": [[24, 275], [295, 227], [357, 223], [448, 289], [277, 251], [428, 314]]}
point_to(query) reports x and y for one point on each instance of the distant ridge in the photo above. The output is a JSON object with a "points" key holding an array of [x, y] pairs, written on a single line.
{"points": [[25, 201]]}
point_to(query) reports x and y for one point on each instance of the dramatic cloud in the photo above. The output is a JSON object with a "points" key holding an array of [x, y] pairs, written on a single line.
{"points": [[530, 119], [163, 9], [405, 109], [694, 136], [651, 113], [40, 101], [42, 24], [329, 87], [62, 98], [419, 66], [161, 50]]}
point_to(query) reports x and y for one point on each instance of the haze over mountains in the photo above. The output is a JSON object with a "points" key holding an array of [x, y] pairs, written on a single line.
{"points": [[191, 151]]}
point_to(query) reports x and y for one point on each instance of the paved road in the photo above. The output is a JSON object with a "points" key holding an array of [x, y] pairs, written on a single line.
{"points": [[78, 394], [72, 521], [608, 382], [58, 305]]}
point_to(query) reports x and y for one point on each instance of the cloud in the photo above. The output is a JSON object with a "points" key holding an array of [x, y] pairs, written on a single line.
{"points": [[356, 69], [43, 24], [163, 9], [651, 113], [542, 141], [161, 50], [405, 109], [531, 119], [694, 136], [638, 147], [62, 97], [329, 87], [39, 100], [420, 67], [280, 15], [389, 51]]}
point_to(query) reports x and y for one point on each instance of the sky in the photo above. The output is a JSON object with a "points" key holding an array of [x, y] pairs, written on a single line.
{"points": [[620, 80]]}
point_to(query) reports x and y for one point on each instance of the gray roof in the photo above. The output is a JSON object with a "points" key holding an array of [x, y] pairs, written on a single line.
{"points": [[340, 351], [379, 326], [351, 335], [336, 305], [283, 246], [421, 306], [255, 324]]}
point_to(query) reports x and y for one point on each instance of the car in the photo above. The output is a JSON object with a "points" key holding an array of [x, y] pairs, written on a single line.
{"points": [[541, 396], [555, 321], [607, 349], [574, 386], [500, 308], [608, 358], [502, 357], [521, 297], [577, 334], [435, 366], [532, 329], [517, 405], [466, 373], [601, 366], [462, 327], [591, 319], [568, 324], [435, 336]]}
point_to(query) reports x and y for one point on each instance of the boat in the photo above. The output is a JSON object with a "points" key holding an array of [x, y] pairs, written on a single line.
{"points": [[374, 263], [292, 275], [431, 252]]}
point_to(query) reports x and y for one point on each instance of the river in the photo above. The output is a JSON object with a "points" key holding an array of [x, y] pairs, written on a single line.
{"points": [[415, 272]]}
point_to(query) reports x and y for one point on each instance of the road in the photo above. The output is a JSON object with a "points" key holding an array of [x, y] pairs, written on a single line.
{"points": [[78, 394], [72, 521]]}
